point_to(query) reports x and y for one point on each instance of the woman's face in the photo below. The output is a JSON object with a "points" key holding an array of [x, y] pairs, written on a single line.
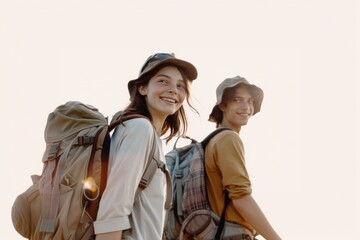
{"points": [[165, 92]]}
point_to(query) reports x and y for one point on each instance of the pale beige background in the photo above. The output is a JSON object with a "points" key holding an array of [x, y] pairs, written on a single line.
{"points": [[303, 147]]}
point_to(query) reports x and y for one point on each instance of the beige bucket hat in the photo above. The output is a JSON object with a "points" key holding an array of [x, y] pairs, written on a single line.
{"points": [[255, 91]]}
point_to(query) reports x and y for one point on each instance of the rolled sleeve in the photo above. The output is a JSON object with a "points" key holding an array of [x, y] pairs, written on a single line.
{"points": [[111, 225], [230, 160]]}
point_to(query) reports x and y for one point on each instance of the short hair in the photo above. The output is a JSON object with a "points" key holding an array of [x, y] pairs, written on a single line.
{"points": [[216, 113]]}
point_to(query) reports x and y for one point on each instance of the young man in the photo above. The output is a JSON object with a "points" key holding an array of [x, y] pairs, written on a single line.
{"points": [[237, 101]]}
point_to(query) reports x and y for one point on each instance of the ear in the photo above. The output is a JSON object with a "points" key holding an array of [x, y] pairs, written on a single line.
{"points": [[142, 90], [222, 107]]}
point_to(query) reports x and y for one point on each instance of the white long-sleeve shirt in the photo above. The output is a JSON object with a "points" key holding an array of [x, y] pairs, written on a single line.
{"points": [[119, 208]]}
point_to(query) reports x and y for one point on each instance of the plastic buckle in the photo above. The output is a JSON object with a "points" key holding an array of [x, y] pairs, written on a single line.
{"points": [[85, 140], [178, 173]]}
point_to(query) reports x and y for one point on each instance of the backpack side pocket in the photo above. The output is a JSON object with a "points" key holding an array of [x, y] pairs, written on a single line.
{"points": [[21, 209]]}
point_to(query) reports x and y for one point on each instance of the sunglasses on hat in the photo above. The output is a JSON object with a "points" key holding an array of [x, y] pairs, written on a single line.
{"points": [[156, 57]]}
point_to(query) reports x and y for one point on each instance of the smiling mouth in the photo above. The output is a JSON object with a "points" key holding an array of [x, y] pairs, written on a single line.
{"points": [[243, 114], [169, 100]]}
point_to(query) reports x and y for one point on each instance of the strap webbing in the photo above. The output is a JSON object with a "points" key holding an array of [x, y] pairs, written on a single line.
{"points": [[153, 163], [46, 190], [51, 196], [179, 192], [222, 219]]}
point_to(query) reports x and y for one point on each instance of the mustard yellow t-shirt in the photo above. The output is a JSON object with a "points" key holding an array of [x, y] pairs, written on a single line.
{"points": [[225, 169]]}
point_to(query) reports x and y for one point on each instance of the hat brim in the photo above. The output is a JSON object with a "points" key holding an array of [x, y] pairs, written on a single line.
{"points": [[258, 96], [189, 70], [256, 92]]}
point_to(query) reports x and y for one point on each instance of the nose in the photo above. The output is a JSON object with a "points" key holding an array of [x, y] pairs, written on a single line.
{"points": [[247, 106], [172, 88]]}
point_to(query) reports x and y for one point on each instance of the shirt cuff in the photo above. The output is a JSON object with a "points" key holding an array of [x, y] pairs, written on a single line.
{"points": [[111, 225]]}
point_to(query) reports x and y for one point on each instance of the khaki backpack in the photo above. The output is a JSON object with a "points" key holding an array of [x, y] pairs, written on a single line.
{"points": [[62, 203]]}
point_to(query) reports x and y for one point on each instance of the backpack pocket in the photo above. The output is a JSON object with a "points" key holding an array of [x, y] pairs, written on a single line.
{"points": [[27, 209], [197, 222], [172, 226], [21, 212]]}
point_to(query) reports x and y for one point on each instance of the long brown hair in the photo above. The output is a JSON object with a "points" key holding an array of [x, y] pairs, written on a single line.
{"points": [[175, 123]]}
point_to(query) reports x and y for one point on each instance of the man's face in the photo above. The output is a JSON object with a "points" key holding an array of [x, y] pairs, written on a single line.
{"points": [[238, 109]]}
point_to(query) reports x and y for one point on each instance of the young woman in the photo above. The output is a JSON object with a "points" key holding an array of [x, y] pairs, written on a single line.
{"points": [[157, 94]]}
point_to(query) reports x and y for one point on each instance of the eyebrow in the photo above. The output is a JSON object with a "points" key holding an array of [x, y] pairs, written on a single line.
{"points": [[167, 76], [237, 96], [162, 75]]}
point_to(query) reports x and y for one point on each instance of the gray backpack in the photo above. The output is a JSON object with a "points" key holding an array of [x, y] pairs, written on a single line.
{"points": [[63, 202], [191, 216]]}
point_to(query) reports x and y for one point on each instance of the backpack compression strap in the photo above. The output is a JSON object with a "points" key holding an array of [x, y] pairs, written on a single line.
{"points": [[51, 193], [48, 211]]}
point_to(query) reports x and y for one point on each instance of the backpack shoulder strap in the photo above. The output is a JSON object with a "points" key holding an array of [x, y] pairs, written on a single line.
{"points": [[212, 134], [153, 162], [227, 199], [119, 118], [222, 218], [151, 166]]}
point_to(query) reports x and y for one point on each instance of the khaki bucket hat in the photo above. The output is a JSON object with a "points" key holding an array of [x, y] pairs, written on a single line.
{"points": [[256, 92]]}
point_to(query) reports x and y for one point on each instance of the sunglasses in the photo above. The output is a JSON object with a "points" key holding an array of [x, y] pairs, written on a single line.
{"points": [[156, 57]]}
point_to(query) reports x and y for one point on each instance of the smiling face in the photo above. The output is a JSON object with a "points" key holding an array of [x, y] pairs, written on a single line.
{"points": [[164, 93], [238, 108]]}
